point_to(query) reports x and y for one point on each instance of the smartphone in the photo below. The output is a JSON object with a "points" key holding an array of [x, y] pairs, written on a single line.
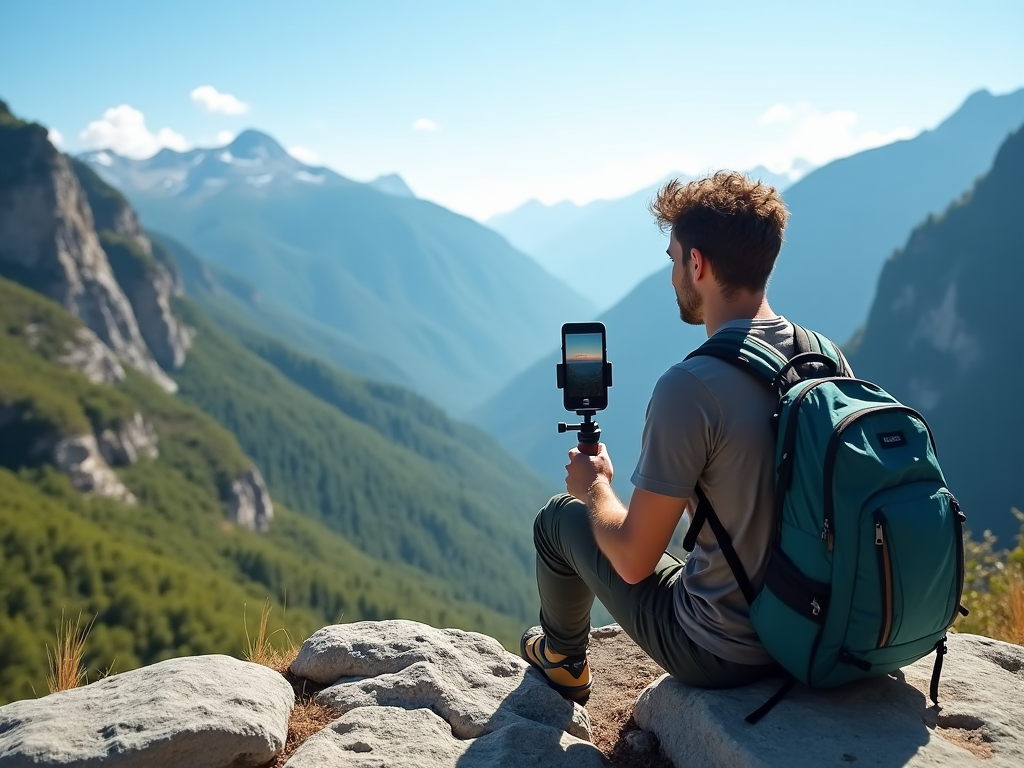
{"points": [[585, 373]]}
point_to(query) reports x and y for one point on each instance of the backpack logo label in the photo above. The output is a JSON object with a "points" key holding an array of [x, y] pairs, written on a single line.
{"points": [[892, 439]]}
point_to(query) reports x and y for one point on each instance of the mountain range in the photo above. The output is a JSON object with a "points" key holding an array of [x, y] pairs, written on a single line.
{"points": [[847, 217], [602, 249], [445, 300], [160, 476], [646, 337]]}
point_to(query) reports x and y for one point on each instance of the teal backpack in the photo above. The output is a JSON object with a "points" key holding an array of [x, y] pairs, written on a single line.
{"points": [[866, 568]]}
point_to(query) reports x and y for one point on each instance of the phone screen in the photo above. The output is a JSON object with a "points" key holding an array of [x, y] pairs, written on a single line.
{"points": [[583, 346]]}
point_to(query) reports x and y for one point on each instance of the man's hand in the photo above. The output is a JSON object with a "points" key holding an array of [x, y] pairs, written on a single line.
{"points": [[583, 470]]}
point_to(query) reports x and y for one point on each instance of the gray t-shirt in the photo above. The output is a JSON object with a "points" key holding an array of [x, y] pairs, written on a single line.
{"points": [[711, 421]]}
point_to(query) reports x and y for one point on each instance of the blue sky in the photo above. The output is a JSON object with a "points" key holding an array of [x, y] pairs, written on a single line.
{"points": [[480, 106]]}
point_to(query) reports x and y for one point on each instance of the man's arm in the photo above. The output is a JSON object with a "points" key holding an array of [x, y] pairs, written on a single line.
{"points": [[633, 540]]}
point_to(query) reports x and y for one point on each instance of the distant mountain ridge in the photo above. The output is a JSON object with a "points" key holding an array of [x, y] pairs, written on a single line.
{"points": [[443, 298], [251, 158], [850, 215], [603, 249]]}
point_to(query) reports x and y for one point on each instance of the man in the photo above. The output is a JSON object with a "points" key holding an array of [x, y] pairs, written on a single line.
{"points": [[707, 422]]}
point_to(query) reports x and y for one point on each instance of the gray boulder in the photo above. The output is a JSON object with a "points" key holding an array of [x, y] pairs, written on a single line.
{"points": [[883, 722], [465, 678], [371, 737], [199, 712]]}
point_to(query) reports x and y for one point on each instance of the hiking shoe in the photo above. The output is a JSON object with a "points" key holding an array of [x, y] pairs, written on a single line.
{"points": [[569, 675]]}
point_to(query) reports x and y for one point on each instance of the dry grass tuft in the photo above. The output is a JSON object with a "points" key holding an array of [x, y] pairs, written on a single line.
{"points": [[260, 649], [65, 658], [307, 718]]}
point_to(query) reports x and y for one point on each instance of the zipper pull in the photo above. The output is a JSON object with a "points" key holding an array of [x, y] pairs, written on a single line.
{"points": [[878, 535], [826, 535]]}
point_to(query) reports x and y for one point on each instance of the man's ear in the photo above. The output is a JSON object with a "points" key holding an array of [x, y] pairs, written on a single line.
{"points": [[700, 264]]}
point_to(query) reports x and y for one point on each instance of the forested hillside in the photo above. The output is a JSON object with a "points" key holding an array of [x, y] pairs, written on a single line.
{"points": [[168, 575]]}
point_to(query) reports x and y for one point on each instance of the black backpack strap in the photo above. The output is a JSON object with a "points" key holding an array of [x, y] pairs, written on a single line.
{"points": [[933, 689], [705, 513], [769, 705], [804, 341]]}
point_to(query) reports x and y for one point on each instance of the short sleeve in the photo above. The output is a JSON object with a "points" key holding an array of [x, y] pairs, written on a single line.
{"points": [[679, 432]]}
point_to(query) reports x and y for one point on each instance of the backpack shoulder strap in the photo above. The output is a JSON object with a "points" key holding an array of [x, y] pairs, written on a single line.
{"points": [[705, 513], [738, 348]]}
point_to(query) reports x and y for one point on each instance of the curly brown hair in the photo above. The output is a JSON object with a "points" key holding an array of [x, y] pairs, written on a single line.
{"points": [[735, 222]]}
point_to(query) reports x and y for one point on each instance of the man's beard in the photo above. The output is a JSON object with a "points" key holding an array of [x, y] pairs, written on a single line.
{"points": [[690, 302]]}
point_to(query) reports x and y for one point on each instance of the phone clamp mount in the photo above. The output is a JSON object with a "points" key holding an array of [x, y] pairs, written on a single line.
{"points": [[590, 430]]}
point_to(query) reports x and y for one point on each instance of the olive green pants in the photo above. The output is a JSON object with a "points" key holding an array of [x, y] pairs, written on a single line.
{"points": [[572, 570]]}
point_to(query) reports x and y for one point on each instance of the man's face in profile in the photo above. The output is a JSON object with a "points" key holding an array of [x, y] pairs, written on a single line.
{"points": [[689, 300]]}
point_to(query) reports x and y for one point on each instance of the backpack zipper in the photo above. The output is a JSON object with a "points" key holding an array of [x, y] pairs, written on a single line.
{"points": [[828, 525], [885, 578], [958, 532]]}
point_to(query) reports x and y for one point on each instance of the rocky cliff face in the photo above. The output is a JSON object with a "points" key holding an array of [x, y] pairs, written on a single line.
{"points": [[148, 282], [249, 502], [941, 337], [48, 242], [87, 459]]}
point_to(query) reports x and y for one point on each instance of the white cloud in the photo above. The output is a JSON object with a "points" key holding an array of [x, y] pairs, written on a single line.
{"points": [[225, 137], [215, 101], [123, 129], [165, 137], [819, 137], [56, 138], [779, 113], [424, 124], [304, 155]]}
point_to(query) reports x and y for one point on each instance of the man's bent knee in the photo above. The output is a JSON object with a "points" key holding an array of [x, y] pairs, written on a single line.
{"points": [[544, 521]]}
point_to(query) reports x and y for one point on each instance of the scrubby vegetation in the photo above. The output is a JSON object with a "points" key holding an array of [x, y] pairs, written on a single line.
{"points": [[994, 588]]}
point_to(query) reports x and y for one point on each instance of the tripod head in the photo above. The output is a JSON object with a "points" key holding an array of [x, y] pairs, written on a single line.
{"points": [[590, 431]]}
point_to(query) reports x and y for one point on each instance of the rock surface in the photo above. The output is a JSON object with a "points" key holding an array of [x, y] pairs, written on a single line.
{"points": [[48, 243], [123, 446], [148, 283], [476, 690], [883, 722], [200, 712], [372, 737], [90, 356], [249, 503], [79, 458], [167, 338]]}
